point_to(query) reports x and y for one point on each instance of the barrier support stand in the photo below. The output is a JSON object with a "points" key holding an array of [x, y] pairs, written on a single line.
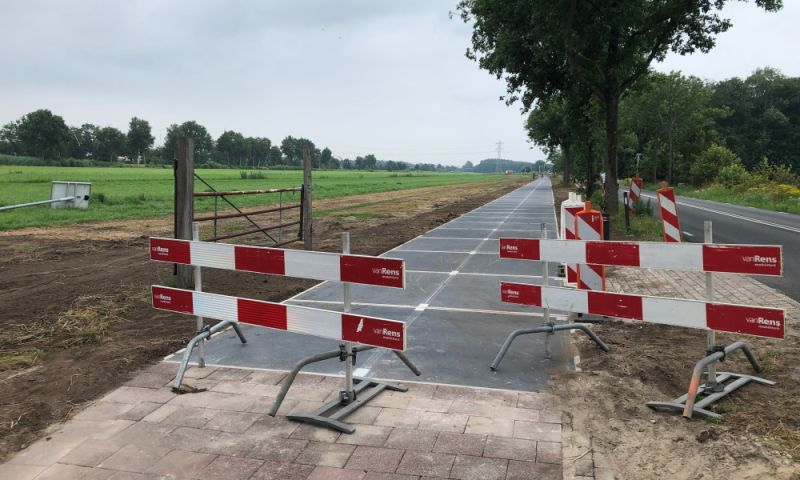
{"points": [[549, 327], [203, 332], [715, 387], [357, 391], [687, 403]]}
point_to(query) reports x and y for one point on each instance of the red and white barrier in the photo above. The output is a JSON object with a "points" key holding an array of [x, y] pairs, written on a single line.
{"points": [[692, 257], [723, 317], [379, 332], [589, 226], [635, 190], [385, 272], [668, 207], [569, 208]]}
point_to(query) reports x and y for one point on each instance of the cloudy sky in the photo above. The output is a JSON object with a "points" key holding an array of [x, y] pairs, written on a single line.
{"points": [[359, 76]]}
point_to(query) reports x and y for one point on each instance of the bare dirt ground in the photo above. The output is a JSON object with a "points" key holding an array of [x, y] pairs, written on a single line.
{"points": [[758, 437], [76, 320]]}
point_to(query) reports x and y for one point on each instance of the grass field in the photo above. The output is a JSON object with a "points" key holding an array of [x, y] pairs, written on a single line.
{"points": [[775, 201], [119, 193]]}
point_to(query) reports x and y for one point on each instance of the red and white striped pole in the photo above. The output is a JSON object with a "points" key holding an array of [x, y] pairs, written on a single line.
{"points": [[635, 191], [569, 208], [668, 207], [589, 226]]}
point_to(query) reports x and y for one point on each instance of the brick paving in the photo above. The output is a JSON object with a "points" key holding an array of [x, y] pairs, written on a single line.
{"points": [[142, 431]]}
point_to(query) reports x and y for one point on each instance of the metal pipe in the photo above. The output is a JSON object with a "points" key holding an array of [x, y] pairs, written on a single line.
{"points": [[349, 391], [40, 202], [289, 379], [404, 359], [248, 232], [694, 383], [711, 335], [187, 354], [245, 192], [198, 287], [239, 215], [546, 329]]}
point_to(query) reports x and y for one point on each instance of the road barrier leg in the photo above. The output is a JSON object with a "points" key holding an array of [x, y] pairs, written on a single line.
{"points": [[205, 334], [357, 391], [688, 403], [546, 329]]}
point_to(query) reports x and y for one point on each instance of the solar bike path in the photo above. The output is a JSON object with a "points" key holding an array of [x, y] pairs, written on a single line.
{"points": [[451, 303]]}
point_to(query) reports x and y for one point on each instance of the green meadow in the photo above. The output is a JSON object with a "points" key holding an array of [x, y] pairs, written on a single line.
{"points": [[121, 193]]}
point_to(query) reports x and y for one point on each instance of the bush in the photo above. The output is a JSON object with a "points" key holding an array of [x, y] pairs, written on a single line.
{"points": [[252, 175], [734, 176], [771, 172], [710, 162], [598, 200]]}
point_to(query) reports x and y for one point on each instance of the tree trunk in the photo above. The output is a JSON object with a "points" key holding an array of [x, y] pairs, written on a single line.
{"points": [[568, 161], [612, 146]]}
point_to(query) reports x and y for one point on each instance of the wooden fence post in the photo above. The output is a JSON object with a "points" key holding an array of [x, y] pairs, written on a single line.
{"points": [[307, 230], [184, 204]]}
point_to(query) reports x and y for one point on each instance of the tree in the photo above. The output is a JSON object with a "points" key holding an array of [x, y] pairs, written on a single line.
{"points": [[230, 148], [140, 138], [764, 113], [543, 47], [203, 143], [275, 156], [468, 166], [82, 141], [325, 158], [370, 162], [674, 121], [9, 141], [42, 134], [109, 144]]}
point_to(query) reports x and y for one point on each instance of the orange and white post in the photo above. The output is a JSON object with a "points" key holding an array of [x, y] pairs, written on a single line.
{"points": [[589, 226], [668, 208]]}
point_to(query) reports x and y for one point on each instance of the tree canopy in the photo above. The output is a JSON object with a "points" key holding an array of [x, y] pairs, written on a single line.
{"points": [[542, 48]]}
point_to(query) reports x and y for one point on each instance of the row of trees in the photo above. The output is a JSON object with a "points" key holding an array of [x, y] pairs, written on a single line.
{"points": [[44, 135], [584, 56], [672, 127]]}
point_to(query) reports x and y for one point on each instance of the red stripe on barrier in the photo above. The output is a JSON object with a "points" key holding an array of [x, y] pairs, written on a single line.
{"points": [[253, 312], [168, 250], [613, 253], [260, 260], [373, 331], [752, 259], [521, 293], [371, 271], [174, 300], [764, 322], [519, 248], [572, 274], [615, 305]]}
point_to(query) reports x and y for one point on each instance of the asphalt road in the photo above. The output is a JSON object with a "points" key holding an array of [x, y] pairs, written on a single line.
{"points": [[744, 225]]}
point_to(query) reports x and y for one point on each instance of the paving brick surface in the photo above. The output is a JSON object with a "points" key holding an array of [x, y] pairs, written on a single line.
{"points": [[142, 431]]}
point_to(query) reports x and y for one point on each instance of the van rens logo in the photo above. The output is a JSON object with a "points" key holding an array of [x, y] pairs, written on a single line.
{"points": [[511, 292], [164, 298], [511, 248], [158, 249], [759, 259], [360, 326], [386, 272], [763, 322], [385, 332]]}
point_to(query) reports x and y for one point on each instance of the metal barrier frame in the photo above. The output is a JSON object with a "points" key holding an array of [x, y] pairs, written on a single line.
{"points": [[549, 327]]}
